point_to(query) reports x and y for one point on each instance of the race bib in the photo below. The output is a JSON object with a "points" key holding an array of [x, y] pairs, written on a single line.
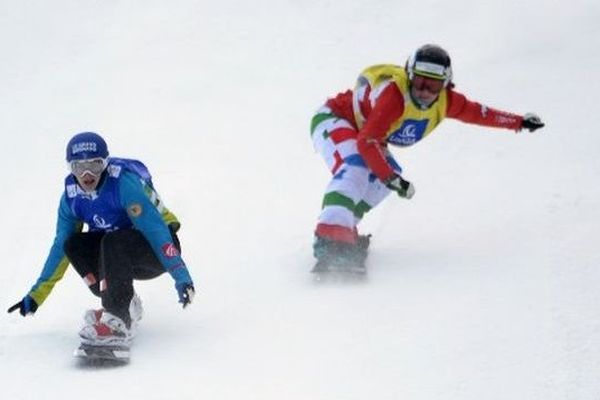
{"points": [[410, 132]]}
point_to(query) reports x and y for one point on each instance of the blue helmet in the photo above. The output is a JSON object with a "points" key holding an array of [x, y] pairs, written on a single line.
{"points": [[86, 145]]}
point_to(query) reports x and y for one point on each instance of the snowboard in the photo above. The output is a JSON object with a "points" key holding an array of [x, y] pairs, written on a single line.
{"points": [[329, 270], [324, 272], [109, 354]]}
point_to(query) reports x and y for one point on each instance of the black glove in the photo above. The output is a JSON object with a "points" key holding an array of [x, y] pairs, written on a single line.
{"points": [[186, 292], [404, 188], [25, 306], [531, 122]]}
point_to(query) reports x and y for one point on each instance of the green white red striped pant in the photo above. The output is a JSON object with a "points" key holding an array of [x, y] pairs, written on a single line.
{"points": [[353, 190]]}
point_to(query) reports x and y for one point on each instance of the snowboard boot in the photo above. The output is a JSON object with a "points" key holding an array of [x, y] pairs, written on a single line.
{"points": [[92, 316], [363, 243], [339, 255], [110, 330], [136, 311]]}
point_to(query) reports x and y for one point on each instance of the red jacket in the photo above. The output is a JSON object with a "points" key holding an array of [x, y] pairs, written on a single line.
{"points": [[390, 106]]}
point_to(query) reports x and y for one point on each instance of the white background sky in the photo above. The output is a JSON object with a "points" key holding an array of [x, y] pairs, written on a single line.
{"points": [[485, 285]]}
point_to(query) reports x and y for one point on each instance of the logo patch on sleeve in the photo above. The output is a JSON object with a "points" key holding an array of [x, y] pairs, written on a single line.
{"points": [[169, 250], [135, 210]]}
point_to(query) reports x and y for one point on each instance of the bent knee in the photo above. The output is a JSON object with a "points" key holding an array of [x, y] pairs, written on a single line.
{"points": [[72, 243]]}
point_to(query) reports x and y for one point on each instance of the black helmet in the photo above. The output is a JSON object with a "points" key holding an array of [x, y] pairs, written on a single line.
{"points": [[430, 61]]}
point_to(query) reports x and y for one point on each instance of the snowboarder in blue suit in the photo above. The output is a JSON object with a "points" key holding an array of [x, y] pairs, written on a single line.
{"points": [[131, 235]]}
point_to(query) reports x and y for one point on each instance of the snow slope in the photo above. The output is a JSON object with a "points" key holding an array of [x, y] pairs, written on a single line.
{"points": [[484, 286]]}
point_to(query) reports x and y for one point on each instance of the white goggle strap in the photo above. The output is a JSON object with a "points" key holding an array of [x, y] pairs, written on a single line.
{"points": [[428, 68]]}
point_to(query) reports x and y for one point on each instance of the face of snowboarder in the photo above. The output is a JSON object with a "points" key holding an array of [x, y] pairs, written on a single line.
{"points": [[88, 172], [425, 90]]}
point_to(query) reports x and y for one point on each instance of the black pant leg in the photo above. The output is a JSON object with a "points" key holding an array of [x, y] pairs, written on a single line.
{"points": [[125, 255], [83, 251], [145, 263]]}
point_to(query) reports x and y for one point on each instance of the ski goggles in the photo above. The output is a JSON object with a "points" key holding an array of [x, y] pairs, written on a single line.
{"points": [[94, 166], [431, 85]]}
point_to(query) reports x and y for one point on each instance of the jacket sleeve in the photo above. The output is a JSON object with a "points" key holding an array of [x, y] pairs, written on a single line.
{"points": [[471, 112], [371, 138], [56, 263], [147, 219]]}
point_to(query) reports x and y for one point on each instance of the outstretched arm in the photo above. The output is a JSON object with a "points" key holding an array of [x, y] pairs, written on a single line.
{"points": [[471, 112], [56, 263]]}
